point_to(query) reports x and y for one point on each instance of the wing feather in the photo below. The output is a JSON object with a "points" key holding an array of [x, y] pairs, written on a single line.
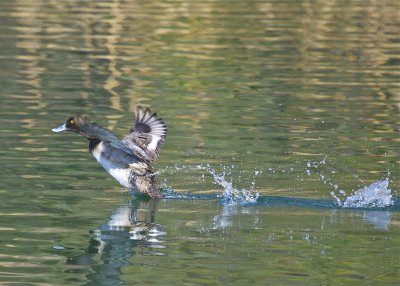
{"points": [[148, 133]]}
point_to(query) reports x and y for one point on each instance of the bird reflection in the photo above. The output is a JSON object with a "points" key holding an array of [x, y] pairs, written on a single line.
{"points": [[129, 229]]}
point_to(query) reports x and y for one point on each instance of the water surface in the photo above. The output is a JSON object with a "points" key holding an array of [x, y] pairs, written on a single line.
{"points": [[296, 101]]}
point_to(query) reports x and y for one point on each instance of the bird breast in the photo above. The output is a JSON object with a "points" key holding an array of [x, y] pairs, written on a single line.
{"points": [[117, 163]]}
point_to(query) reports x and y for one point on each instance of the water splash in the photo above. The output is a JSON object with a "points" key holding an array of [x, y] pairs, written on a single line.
{"points": [[232, 195], [376, 195]]}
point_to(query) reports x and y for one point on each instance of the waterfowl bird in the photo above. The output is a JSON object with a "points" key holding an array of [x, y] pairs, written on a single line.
{"points": [[127, 160]]}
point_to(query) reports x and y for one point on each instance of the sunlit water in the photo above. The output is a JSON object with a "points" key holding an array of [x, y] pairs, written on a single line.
{"points": [[281, 165]]}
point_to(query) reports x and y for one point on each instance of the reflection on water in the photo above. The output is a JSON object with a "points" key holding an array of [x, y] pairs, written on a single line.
{"points": [[131, 234], [130, 229], [292, 100], [379, 219]]}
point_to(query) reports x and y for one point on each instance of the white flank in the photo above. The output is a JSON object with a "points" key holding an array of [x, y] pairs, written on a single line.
{"points": [[121, 175]]}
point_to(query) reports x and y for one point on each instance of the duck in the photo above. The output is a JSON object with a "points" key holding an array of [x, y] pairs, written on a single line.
{"points": [[128, 160]]}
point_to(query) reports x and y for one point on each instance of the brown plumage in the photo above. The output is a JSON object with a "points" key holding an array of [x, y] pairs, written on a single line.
{"points": [[127, 160]]}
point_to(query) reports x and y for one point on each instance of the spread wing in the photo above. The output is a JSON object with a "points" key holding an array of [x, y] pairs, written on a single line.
{"points": [[92, 130], [147, 135]]}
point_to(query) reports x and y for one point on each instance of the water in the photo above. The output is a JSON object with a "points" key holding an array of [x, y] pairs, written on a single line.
{"points": [[281, 165]]}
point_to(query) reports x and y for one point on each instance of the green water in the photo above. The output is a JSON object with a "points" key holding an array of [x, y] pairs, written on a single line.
{"points": [[290, 99]]}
